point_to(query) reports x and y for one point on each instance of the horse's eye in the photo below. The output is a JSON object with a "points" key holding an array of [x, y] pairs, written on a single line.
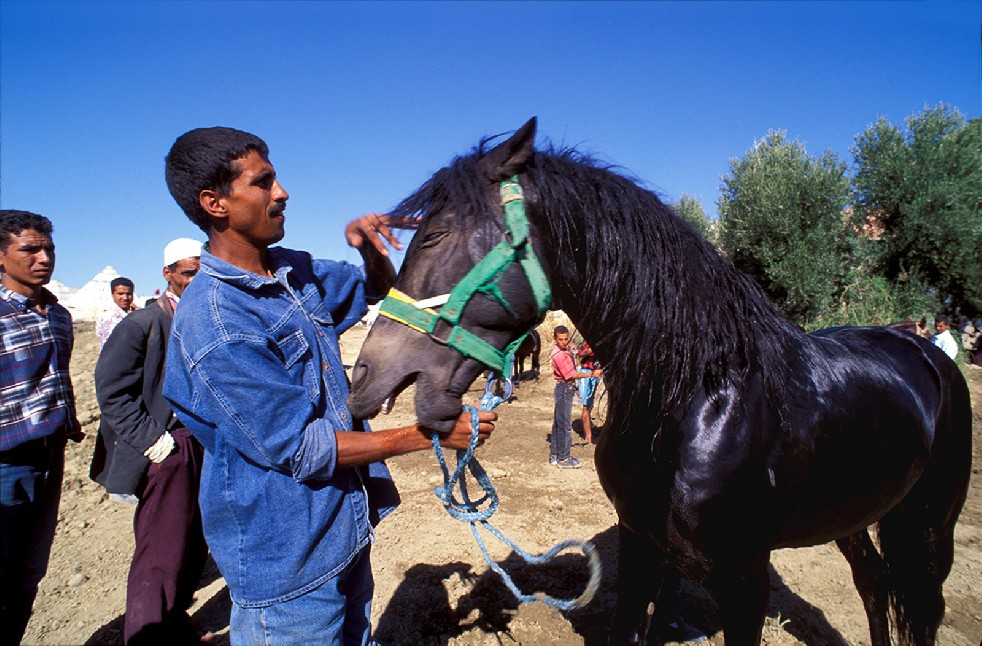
{"points": [[433, 238]]}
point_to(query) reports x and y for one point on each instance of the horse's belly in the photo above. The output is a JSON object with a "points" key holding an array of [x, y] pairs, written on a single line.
{"points": [[849, 483]]}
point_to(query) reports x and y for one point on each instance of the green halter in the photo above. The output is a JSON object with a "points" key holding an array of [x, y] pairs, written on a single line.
{"points": [[482, 278]]}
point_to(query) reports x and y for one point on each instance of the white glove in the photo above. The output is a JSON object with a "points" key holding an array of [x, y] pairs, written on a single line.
{"points": [[160, 449]]}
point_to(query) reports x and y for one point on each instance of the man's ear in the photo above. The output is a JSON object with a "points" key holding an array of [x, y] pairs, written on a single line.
{"points": [[213, 203]]}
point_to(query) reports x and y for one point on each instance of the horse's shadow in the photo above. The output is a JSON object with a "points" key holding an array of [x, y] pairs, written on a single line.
{"points": [[212, 616], [423, 601]]}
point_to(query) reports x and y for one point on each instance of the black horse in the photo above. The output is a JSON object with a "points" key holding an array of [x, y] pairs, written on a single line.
{"points": [[530, 347], [730, 432]]}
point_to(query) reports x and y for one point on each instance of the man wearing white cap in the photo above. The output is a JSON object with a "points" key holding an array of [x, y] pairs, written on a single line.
{"points": [[143, 449]]}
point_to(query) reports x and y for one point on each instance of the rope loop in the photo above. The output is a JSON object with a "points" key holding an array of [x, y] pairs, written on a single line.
{"points": [[469, 511]]}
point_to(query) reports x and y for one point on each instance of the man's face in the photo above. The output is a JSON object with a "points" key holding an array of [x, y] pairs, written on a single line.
{"points": [[256, 202], [123, 296], [940, 326], [28, 262], [180, 277], [562, 340]]}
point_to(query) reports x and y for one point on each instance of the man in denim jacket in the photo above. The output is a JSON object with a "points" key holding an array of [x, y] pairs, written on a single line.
{"points": [[292, 484]]}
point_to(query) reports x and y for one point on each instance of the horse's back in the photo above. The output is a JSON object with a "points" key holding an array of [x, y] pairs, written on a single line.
{"points": [[865, 413], [891, 408]]}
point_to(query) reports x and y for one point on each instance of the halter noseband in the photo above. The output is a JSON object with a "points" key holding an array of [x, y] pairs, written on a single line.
{"points": [[482, 278]]}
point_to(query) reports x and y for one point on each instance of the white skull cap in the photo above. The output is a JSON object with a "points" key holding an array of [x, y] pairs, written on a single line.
{"points": [[180, 249]]}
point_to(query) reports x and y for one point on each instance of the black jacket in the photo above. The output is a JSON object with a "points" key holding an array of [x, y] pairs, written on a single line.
{"points": [[129, 378]]}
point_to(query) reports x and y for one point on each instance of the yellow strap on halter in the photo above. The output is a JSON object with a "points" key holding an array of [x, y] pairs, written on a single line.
{"points": [[396, 295]]}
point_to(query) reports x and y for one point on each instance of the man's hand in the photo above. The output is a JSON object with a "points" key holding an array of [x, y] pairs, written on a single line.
{"points": [[160, 449], [459, 438], [370, 229]]}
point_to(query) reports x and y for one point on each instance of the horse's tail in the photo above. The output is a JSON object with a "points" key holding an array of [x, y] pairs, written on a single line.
{"points": [[917, 537]]}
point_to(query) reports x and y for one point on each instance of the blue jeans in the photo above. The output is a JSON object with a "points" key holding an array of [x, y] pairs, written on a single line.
{"points": [[337, 612], [30, 490], [561, 438]]}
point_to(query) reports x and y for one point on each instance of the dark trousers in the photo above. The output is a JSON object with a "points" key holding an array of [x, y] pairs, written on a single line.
{"points": [[30, 490], [561, 438], [170, 550]]}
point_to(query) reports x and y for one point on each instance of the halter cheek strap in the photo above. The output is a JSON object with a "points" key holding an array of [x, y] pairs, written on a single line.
{"points": [[443, 325]]}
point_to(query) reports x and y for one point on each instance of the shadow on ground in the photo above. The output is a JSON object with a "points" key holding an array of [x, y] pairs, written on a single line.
{"points": [[422, 601]]}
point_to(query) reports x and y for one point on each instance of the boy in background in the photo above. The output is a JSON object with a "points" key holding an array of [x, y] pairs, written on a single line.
{"points": [[565, 373]]}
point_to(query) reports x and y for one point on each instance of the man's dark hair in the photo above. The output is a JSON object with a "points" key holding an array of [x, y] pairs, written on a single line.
{"points": [[941, 318], [116, 282], [201, 160], [560, 329], [14, 223]]}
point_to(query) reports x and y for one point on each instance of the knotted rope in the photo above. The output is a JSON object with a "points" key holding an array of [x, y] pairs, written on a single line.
{"points": [[472, 512]]}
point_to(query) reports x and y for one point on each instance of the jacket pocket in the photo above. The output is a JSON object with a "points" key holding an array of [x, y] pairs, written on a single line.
{"points": [[298, 359]]}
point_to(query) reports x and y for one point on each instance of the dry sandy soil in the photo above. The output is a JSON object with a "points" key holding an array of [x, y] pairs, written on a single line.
{"points": [[433, 586]]}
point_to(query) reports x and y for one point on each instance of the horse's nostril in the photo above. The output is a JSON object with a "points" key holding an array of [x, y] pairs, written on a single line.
{"points": [[359, 372]]}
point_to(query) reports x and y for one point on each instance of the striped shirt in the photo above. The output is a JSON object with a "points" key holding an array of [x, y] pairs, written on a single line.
{"points": [[36, 396]]}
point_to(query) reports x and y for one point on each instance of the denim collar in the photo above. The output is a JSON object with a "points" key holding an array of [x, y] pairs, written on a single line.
{"points": [[229, 273]]}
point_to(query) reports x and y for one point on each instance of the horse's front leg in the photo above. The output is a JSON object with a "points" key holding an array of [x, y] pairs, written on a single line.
{"points": [[740, 591], [640, 572]]}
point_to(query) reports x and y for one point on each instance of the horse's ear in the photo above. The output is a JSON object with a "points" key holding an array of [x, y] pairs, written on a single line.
{"points": [[509, 157]]}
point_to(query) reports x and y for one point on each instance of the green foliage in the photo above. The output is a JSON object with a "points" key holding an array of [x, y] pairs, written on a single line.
{"points": [[690, 209], [924, 185], [873, 300], [782, 216]]}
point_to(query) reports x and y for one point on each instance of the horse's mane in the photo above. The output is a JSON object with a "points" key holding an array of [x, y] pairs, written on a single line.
{"points": [[663, 310]]}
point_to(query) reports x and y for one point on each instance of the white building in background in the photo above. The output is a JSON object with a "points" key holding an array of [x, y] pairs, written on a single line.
{"points": [[60, 290], [95, 297]]}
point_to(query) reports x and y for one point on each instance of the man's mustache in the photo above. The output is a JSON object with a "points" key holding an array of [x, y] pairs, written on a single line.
{"points": [[277, 209]]}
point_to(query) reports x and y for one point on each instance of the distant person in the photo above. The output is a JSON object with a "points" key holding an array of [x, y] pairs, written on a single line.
{"points": [[143, 449], [972, 342], [921, 329], [587, 388], [292, 484], [565, 374], [37, 415], [943, 338], [123, 292]]}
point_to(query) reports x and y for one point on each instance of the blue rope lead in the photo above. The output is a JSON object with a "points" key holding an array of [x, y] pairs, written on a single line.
{"points": [[472, 512]]}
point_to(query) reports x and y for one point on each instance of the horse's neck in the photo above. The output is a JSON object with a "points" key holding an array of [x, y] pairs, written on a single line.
{"points": [[663, 311]]}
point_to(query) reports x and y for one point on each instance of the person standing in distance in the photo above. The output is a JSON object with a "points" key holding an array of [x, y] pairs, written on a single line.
{"points": [[943, 338], [37, 412], [292, 485], [122, 292], [144, 450], [565, 373]]}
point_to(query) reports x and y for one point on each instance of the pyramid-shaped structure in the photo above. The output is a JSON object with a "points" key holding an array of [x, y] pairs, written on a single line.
{"points": [[94, 297], [60, 290]]}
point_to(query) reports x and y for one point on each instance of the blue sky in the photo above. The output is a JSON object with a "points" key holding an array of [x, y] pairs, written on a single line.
{"points": [[361, 102]]}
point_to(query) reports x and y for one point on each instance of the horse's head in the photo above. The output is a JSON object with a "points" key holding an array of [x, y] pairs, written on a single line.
{"points": [[466, 247]]}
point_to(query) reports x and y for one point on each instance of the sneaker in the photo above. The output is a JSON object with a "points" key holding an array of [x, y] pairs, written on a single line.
{"points": [[569, 463], [679, 632], [553, 460], [124, 498]]}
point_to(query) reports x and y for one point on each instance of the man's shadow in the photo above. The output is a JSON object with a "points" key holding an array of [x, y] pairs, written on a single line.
{"points": [[421, 610], [213, 616]]}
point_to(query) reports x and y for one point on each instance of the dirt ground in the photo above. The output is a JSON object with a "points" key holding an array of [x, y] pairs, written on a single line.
{"points": [[432, 583]]}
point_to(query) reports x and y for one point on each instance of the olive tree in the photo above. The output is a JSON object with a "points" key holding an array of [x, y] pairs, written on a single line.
{"points": [[690, 209], [783, 223], [922, 186]]}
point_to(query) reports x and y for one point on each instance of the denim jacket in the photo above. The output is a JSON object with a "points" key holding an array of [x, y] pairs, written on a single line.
{"points": [[254, 371]]}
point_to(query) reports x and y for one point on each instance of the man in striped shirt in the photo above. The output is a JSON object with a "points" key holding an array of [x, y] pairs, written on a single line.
{"points": [[37, 412]]}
